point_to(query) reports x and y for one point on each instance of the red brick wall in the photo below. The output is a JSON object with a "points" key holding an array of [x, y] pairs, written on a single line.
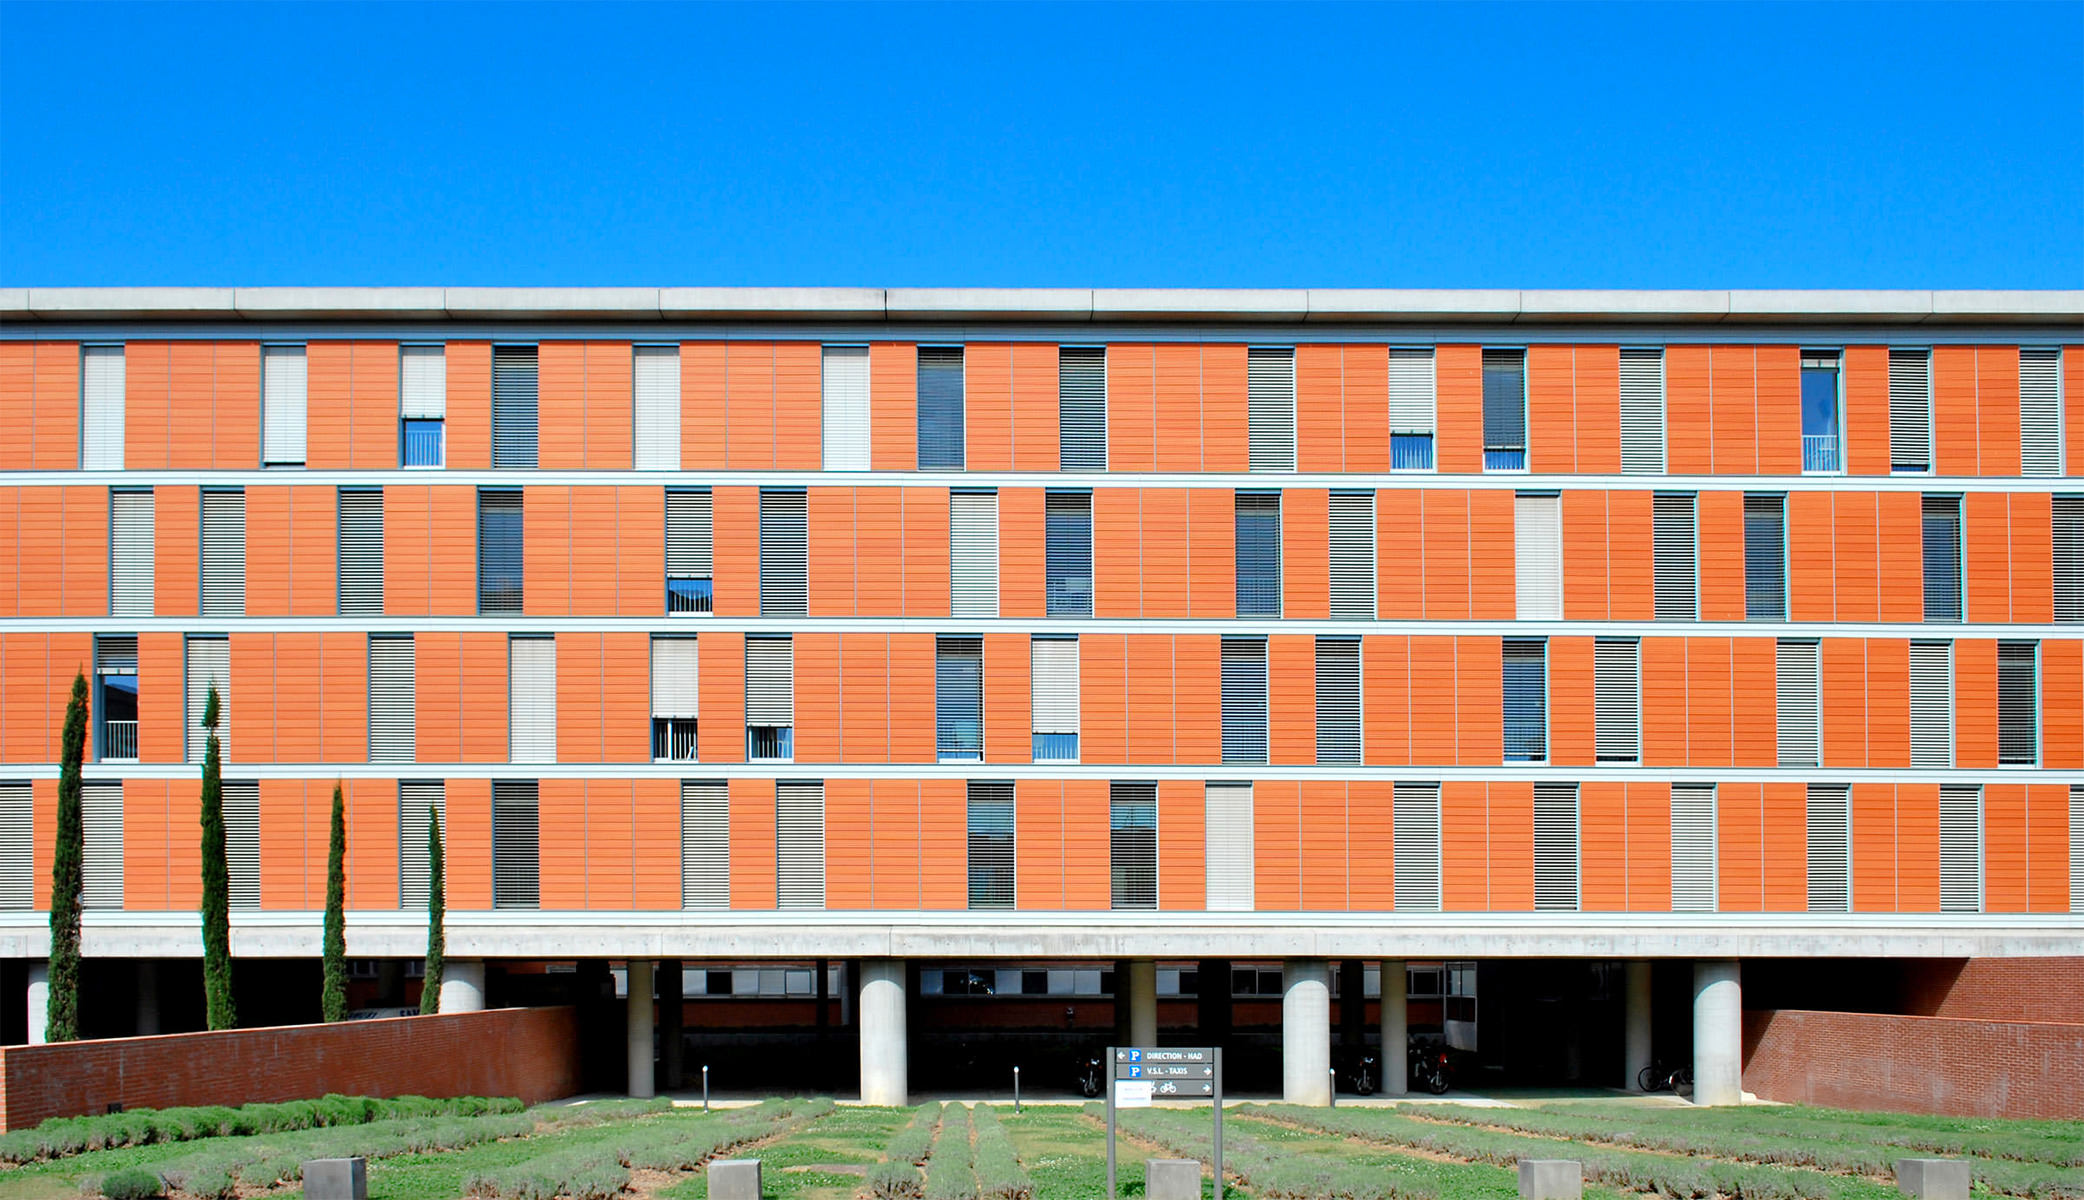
{"points": [[2000, 989], [1915, 1064], [532, 1053]]}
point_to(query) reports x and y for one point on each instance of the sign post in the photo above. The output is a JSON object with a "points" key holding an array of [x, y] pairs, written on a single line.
{"points": [[1140, 1074]]}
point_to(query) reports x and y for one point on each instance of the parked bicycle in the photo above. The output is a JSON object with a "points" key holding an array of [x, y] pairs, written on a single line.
{"points": [[1664, 1077], [1428, 1068]]}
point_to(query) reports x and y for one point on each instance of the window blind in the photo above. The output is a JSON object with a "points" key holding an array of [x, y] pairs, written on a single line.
{"points": [[940, 408], [1798, 701], [419, 801], [1765, 558], [1244, 700], [242, 841], [958, 671], [1081, 407], [799, 845], [1931, 704], [1053, 664], [1258, 554], [516, 875], [1642, 410], [1228, 860], [1537, 550], [1942, 546], [1270, 407], [990, 845], [846, 424], [1960, 848], [1353, 556], [1555, 847], [392, 699], [17, 848], [423, 383], [973, 554], [2018, 704], [705, 845], [1830, 848], [513, 406], [676, 681], [655, 382], [282, 406], [770, 681], [1415, 832], [1694, 876], [532, 699], [208, 661], [2069, 559], [1338, 700], [784, 555], [1674, 559], [1617, 699], [1132, 844], [101, 844], [224, 554], [689, 543], [1411, 391], [1068, 553], [2077, 847], [1504, 410], [1910, 410], [500, 552], [359, 545], [2040, 410], [1526, 697], [130, 554], [101, 408]]}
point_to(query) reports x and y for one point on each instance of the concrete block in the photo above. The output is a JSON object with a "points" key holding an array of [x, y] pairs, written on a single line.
{"points": [[1171, 1179], [734, 1179], [1551, 1179], [1933, 1178], [336, 1179]]}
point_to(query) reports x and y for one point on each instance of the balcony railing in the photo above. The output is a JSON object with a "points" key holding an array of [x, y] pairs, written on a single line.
{"points": [[673, 739], [1819, 453], [1504, 458], [119, 741], [1411, 452]]}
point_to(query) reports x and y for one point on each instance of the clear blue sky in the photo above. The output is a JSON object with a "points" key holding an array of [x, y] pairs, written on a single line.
{"points": [[1840, 145]]}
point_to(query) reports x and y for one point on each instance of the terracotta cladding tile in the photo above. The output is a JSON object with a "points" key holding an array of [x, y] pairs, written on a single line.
{"points": [[236, 419], [1386, 679], [1117, 552], [878, 552], [1365, 374], [1866, 388], [160, 670], [720, 735], [817, 697], [1008, 699], [1197, 673], [1986, 556], [701, 406], [1733, 388], [593, 551], [1038, 868], [799, 405], [987, 382], [1551, 409], [547, 545], [1086, 854], [453, 553], [1598, 404], [1855, 539], [749, 405], [468, 417], [1888, 702], [1786, 847], [752, 843], [1276, 845], [248, 703], [561, 405], [11, 563], [611, 846], [2062, 703], [1917, 847], [329, 405], [1491, 585], [578, 697], [1102, 699], [438, 697], [43, 834], [25, 659], [482, 663], [147, 415], [911, 697], [1955, 429], [1603, 846], [184, 855], [1975, 703], [640, 550], [190, 406], [1035, 417], [1370, 845], [610, 406], [41, 513], [1873, 847], [1844, 702], [267, 539], [1511, 847], [86, 552], [1740, 845], [314, 552], [1399, 542], [1131, 407], [2004, 847], [894, 835], [893, 385], [1586, 586], [1900, 539], [1688, 411], [1445, 524], [1291, 665], [1320, 404], [1779, 409], [2073, 414], [177, 545], [372, 843], [735, 520], [18, 404], [284, 811], [2047, 848], [145, 834], [467, 845], [926, 552], [1022, 549], [1811, 557], [56, 428], [943, 844], [1649, 847], [1166, 552], [295, 695], [1148, 692], [1325, 886], [626, 702], [864, 697], [1434, 696], [1629, 564], [1225, 423], [2033, 556], [848, 856], [1570, 701], [1305, 553], [373, 429], [1752, 697], [1212, 552], [1464, 846], [1182, 833], [1458, 419], [1721, 519], [1704, 722]]}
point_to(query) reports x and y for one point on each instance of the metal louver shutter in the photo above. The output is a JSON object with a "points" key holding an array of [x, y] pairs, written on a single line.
{"points": [[502, 551], [1910, 410], [1675, 563], [101, 408], [1830, 848], [1526, 699], [130, 554], [1338, 700], [958, 674], [1765, 558], [2040, 411], [2069, 559], [1942, 548], [242, 841], [1132, 845], [2077, 847], [207, 661], [2018, 704], [1258, 554], [1537, 548], [1555, 847], [1617, 699], [1353, 556], [1244, 700], [784, 555], [1694, 876], [705, 845], [17, 848], [532, 699], [1931, 704], [1053, 667], [846, 413], [282, 406], [1411, 391], [101, 844], [513, 406], [224, 554], [1960, 848], [1798, 700], [676, 677], [770, 681], [973, 554], [689, 537], [516, 850], [1270, 407], [799, 845], [423, 383], [1068, 553], [1415, 816], [392, 695], [418, 801], [1642, 410], [1081, 408], [1227, 809], [655, 384], [991, 845], [1504, 410], [361, 552], [940, 408]]}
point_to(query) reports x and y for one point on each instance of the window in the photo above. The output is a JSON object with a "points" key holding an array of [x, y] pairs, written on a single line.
{"points": [[1526, 701], [359, 545], [1244, 700], [242, 842], [1798, 724], [1555, 847], [1910, 411], [1617, 699], [1228, 861], [1830, 848], [101, 408], [115, 697], [991, 845], [2040, 411], [1415, 820], [1642, 410], [940, 408], [207, 664], [973, 554], [420, 805], [130, 554], [1931, 704], [2018, 704], [1338, 700], [770, 699], [958, 674], [1537, 549], [224, 554], [846, 424], [17, 843], [1132, 844], [513, 406], [2077, 847], [784, 555], [799, 845], [1694, 879], [532, 700], [101, 844], [688, 553], [1411, 409], [1353, 556], [1270, 407], [499, 552], [516, 874], [1820, 412], [1942, 558], [282, 406], [1504, 410], [1258, 554], [1068, 531], [655, 384], [1960, 848], [392, 694], [1673, 556], [1053, 676], [1081, 408], [1765, 558], [2069, 559], [676, 698], [705, 845], [423, 404]]}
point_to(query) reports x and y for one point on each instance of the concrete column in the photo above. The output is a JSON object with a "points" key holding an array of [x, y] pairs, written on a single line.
{"points": [[1306, 1031], [884, 1078], [1635, 1050], [1142, 989], [1396, 1030], [147, 997], [1718, 1032], [462, 986], [640, 1028], [671, 1007], [39, 1002]]}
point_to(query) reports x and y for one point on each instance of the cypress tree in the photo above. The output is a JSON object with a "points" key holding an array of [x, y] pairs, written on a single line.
{"points": [[62, 1018], [430, 982], [334, 1001], [219, 1012]]}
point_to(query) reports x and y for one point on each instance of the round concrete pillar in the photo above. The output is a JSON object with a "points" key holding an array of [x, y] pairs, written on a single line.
{"points": [[147, 997], [884, 1077], [462, 986], [640, 1024], [1718, 1032], [1306, 1031], [1143, 1002], [39, 1002], [1635, 1047], [1396, 1030]]}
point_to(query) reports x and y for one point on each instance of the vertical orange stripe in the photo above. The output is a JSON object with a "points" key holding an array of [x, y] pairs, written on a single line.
{"points": [[1603, 846], [1844, 702], [329, 405], [1102, 699], [1117, 556], [467, 843], [911, 697], [1874, 847], [561, 406], [1855, 537], [1305, 553], [1570, 701], [1291, 687], [1888, 702], [720, 735], [1917, 847], [1629, 565], [437, 697], [1086, 884], [468, 407], [987, 379], [593, 551], [1197, 673], [1182, 842], [1445, 524], [1811, 595], [1734, 398], [702, 409], [2047, 848], [1866, 398], [1586, 584], [547, 544], [1386, 676], [561, 827], [1131, 429], [1458, 417], [1551, 409], [1148, 695], [1688, 411], [926, 552], [893, 385], [735, 521], [2033, 556], [848, 871], [1166, 552], [749, 405], [1491, 580], [1649, 847], [1176, 408], [1754, 718], [1035, 434], [878, 552], [1512, 847], [864, 697], [753, 875], [1779, 409], [2004, 847], [1434, 699], [1022, 551], [1955, 430], [1212, 551], [799, 406], [818, 691], [1320, 417], [1399, 542], [1598, 425], [1276, 845], [2062, 703], [1900, 540], [1721, 518], [1986, 566], [1464, 847], [1366, 370], [1225, 425], [943, 837], [1324, 840], [1038, 871], [1008, 699]]}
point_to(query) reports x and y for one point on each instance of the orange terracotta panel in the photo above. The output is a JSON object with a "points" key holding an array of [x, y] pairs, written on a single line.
{"points": [[1276, 845], [177, 548], [1148, 692], [1212, 552], [1649, 847], [1917, 847], [372, 843], [1733, 387], [1491, 574], [1630, 570], [1291, 687], [749, 405], [1855, 542], [2047, 848], [18, 403], [235, 430], [1458, 417], [314, 583], [285, 674], [1176, 408], [926, 552], [1689, 444], [1131, 407], [329, 405], [1008, 699], [1586, 591], [373, 432], [1323, 844], [1306, 553], [720, 735], [1399, 542], [1811, 557], [988, 406], [191, 406], [818, 684], [1721, 521], [1320, 407], [1182, 840], [878, 552], [752, 843], [1023, 547], [1755, 737], [1038, 838], [894, 834], [1102, 698], [1786, 847], [147, 395], [864, 697], [270, 551], [701, 405], [893, 387], [468, 418], [2062, 703], [547, 543], [1034, 385], [41, 513], [1366, 380], [285, 811], [1464, 846], [10, 551], [1570, 701], [1370, 846], [849, 857], [1197, 672], [1603, 846], [56, 428], [611, 846], [1844, 702], [2033, 557], [611, 406], [1551, 409], [86, 552], [1986, 567], [1225, 428], [799, 406], [735, 524], [1975, 704], [438, 697], [1779, 409], [1740, 845], [2073, 414], [561, 408], [1086, 876], [467, 844], [1888, 702], [1866, 388], [626, 697], [1955, 431], [561, 830], [24, 685], [1166, 553], [482, 659], [578, 697], [184, 856], [1873, 847], [1512, 846], [2004, 848], [145, 834], [1445, 521], [593, 551], [1900, 534], [452, 580], [1434, 699], [1117, 552], [1386, 679], [943, 844], [911, 697], [1598, 404]]}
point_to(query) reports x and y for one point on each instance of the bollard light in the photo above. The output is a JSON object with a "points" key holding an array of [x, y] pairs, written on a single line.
{"points": [[1016, 1091], [705, 1087], [1334, 1073]]}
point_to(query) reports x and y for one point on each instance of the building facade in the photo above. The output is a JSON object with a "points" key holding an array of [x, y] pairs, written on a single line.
{"points": [[875, 637]]}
